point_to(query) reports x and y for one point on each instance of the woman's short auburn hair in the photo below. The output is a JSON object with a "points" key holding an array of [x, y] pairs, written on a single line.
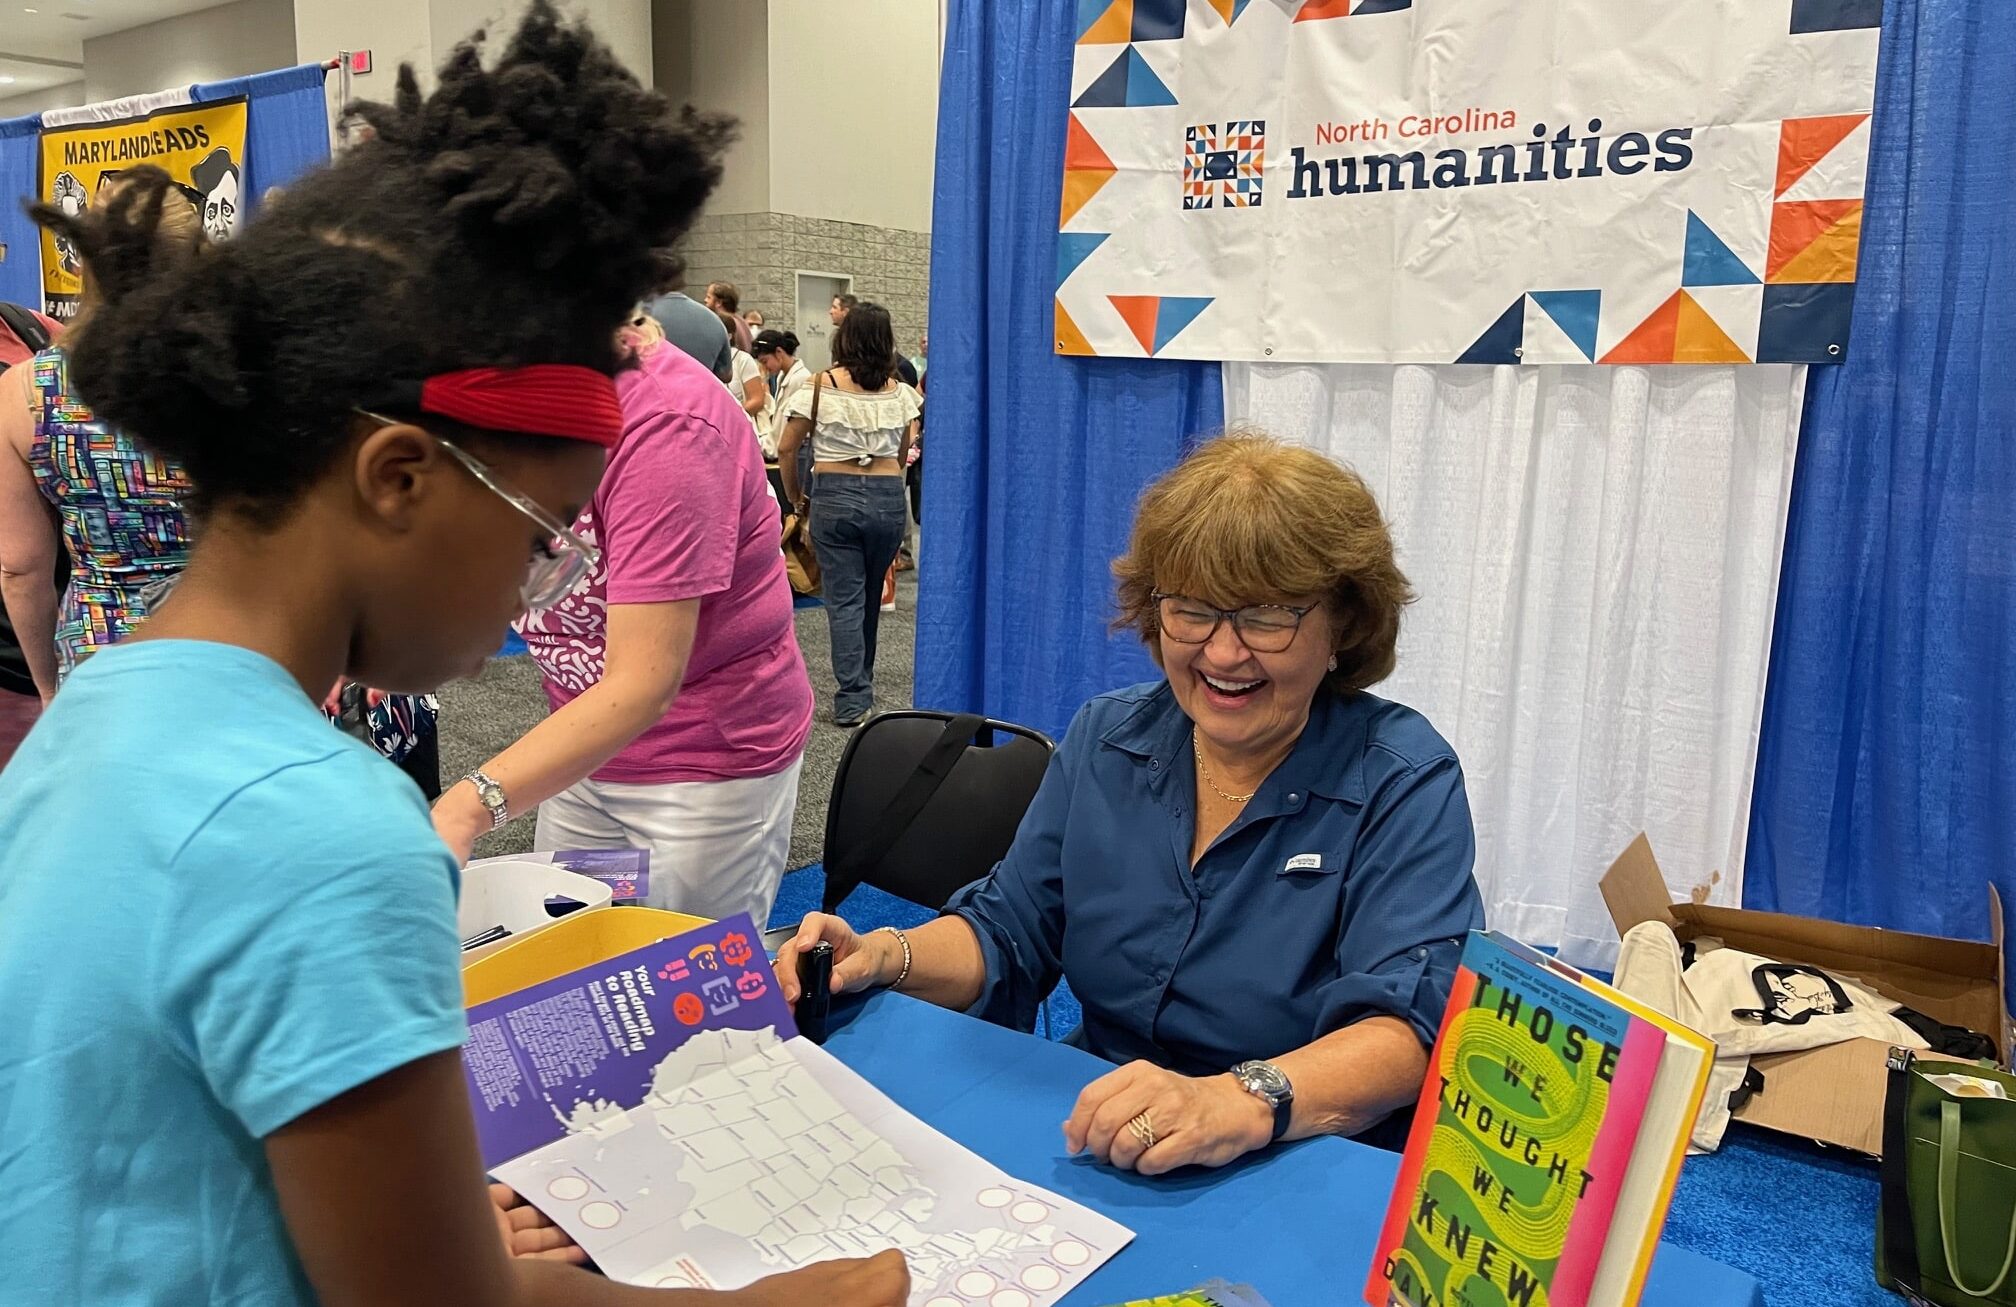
{"points": [[1249, 519]]}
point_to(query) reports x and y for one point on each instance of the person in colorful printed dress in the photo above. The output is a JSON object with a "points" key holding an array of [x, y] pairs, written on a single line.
{"points": [[67, 478]]}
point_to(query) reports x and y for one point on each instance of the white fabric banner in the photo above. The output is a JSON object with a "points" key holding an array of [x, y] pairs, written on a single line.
{"points": [[118, 111], [1478, 181], [1596, 552]]}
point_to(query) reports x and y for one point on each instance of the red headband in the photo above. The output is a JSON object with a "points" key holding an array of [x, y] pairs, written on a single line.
{"points": [[545, 399]]}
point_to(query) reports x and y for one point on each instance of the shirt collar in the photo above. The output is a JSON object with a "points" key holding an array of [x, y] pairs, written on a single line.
{"points": [[1328, 759]]}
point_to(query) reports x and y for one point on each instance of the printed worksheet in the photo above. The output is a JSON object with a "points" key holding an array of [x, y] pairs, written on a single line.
{"points": [[663, 1111]]}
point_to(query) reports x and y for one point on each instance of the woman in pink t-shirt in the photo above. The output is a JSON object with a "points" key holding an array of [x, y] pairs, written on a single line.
{"points": [[680, 700]]}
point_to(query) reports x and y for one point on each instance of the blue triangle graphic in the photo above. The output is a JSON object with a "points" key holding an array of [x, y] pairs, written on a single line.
{"points": [[1144, 88], [1575, 312], [1073, 248], [1109, 89], [1090, 12], [1129, 84], [1709, 262], [1174, 314], [1501, 338], [1158, 20], [1238, 8]]}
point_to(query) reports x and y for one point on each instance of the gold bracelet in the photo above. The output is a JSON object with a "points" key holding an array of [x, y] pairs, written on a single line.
{"points": [[904, 940]]}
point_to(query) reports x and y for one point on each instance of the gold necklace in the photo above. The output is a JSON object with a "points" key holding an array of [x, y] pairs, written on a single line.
{"points": [[1204, 770]]}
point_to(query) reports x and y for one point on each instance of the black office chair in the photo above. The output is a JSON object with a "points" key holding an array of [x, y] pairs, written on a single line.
{"points": [[926, 802]]}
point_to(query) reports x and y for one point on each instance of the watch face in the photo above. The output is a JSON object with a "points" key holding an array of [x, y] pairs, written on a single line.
{"points": [[1264, 1078]]}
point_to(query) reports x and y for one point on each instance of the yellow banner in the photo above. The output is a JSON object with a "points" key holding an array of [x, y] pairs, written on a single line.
{"points": [[202, 146]]}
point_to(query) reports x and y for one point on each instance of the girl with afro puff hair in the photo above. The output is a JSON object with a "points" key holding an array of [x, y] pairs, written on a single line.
{"points": [[233, 1076]]}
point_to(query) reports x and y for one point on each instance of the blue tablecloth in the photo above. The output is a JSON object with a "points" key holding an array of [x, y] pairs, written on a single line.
{"points": [[1297, 1222]]}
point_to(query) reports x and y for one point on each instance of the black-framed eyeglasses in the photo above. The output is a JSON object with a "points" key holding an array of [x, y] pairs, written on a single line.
{"points": [[1263, 628]]}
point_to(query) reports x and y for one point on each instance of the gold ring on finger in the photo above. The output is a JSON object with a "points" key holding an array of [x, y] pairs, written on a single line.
{"points": [[1143, 1129]]}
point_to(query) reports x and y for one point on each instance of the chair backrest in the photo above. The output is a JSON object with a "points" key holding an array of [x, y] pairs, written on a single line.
{"points": [[961, 831]]}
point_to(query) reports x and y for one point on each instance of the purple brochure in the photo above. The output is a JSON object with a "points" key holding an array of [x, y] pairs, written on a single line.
{"points": [[558, 1056]]}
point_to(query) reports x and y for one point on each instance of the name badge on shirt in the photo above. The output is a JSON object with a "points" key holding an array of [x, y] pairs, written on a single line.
{"points": [[1305, 862]]}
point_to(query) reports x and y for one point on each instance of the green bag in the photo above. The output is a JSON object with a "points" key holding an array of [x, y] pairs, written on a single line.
{"points": [[1946, 1230]]}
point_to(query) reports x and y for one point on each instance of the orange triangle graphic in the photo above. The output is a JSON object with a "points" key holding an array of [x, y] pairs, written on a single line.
{"points": [[1318, 9], [1081, 186], [1139, 313], [1224, 8], [1829, 258], [1113, 27], [1698, 338], [1080, 150], [1803, 142], [1796, 228], [1651, 341], [1070, 340]]}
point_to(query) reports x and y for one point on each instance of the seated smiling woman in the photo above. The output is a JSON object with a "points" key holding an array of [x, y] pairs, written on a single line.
{"points": [[1254, 874]]}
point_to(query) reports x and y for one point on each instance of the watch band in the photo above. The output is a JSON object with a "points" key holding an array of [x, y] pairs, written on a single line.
{"points": [[1252, 1076], [492, 795], [1284, 1112]]}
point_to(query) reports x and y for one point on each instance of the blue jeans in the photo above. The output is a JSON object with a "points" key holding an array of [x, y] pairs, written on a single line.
{"points": [[857, 525]]}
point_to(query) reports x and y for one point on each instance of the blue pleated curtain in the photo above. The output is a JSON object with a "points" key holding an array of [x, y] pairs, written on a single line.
{"points": [[1886, 770], [1033, 461], [286, 133]]}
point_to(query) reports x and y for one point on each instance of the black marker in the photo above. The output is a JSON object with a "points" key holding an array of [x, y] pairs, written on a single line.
{"points": [[815, 991]]}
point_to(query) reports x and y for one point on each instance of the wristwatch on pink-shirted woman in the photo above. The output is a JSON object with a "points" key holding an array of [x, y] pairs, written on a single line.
{"points": [[492, 795]]}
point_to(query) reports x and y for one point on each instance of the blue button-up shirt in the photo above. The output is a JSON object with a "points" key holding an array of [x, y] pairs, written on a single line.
{"points": [[1342, 892]]}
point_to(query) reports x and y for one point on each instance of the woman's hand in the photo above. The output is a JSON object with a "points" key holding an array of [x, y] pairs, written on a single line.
{"points": [[527, 1232], [879, 1281], [1197, 1120], [859, 961], [460, 819]]}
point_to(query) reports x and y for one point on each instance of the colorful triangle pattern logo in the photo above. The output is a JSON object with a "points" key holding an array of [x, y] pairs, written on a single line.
{"points": [[1678, 331], [1814, 241], [1709, 261], [1114, 22], [1087, 168], [1317, 10], [1574, 311], [1803, 142], [1073, 248], [1129, 83], [1105, 22], [1070, 340], [1502, 340], [1156, 320]]}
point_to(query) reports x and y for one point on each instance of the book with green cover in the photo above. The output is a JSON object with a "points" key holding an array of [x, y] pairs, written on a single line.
{"points": [[1545, 1144]]}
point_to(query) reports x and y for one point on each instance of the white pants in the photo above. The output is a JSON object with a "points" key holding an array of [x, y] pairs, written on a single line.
{"points": [[717, 847]]}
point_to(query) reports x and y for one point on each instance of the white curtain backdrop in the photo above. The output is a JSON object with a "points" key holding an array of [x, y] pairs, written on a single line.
{"points": [[1596, 552]]}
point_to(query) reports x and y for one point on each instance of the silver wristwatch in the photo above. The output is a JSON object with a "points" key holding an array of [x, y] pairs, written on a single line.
{"points": [[1266, 1082], [492, 795]]}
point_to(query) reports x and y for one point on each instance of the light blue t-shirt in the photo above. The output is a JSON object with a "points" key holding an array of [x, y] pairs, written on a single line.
{"points": [[217, 913]]}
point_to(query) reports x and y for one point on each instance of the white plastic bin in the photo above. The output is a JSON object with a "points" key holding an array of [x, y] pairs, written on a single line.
{"points": [[505, 901]]}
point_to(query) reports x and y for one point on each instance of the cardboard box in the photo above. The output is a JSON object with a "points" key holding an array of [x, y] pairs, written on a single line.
{"points": [[580, 940], [1832, 1094]]}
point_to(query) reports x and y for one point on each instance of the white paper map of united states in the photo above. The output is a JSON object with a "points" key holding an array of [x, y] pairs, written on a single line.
{"points": [[749, 1156]]}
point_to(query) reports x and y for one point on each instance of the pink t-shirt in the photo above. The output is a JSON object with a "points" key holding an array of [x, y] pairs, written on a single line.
{"points": [[684, 511]]}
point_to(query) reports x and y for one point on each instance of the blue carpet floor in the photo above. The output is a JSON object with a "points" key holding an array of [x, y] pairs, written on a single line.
{"points": [[1797, 1216]]}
